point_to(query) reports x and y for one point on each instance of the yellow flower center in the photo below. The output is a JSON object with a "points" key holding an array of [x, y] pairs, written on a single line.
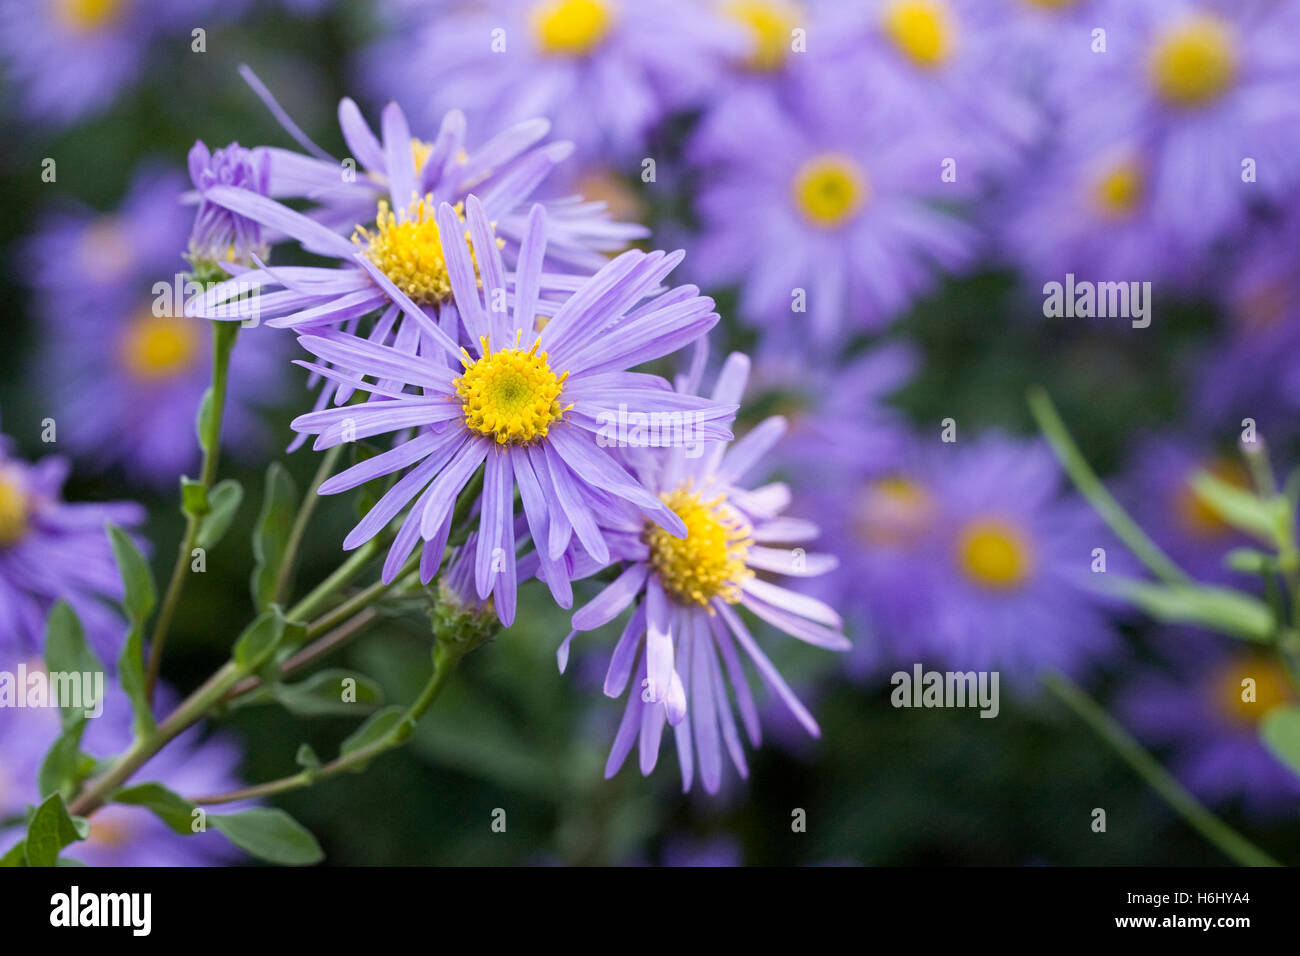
{"points": [[1118, 191], [994, 554], [1246, 704], [110, 832], [1195, 61], [892, 511], [14, 510], [155, 348], [770, 23], [87, 16], [922, 31], [420, 151], [710, 561], [1194, 514], [571, 27], [510, 395], [829, 190], [1052, 4], [408, 251]]}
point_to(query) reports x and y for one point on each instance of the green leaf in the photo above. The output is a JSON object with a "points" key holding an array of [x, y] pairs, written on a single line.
{"points": [[1218, 609], [1250, 561], [1240, 508], [66, 652], [203, 422], [171, 808], [130, 674], [271, 535], [1280, 731], [50, 830], [322, 694], [306, 758], [61, 769], [15, 856], [257, 644], [271, 835], [378, 726], [141, 595], [223, 503]]}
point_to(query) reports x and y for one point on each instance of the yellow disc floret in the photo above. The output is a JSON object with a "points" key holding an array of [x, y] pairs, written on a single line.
{"points": [[571, 27], [1248, 687], [829, 190], [1052, 4], [88, 16], [156, 348], [1195, 61], [710, 561], [512, 394], [892, 512], [15, 509], [922, 31], [1118, 191], [408, 251], [994, 554], [770, 24]]}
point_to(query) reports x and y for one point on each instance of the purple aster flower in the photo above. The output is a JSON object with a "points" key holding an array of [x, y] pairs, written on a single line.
{"points": [[606, 72], [1206, 713], [70, 58], [824, 214], [680, 645], [1205, 91], [218, 235], [51, 549], [119, 835], [948, 62], [1158, 489], [529, 402], [968, 556]]}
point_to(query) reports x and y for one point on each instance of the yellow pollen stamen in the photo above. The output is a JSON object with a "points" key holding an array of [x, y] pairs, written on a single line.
{"points": [[511, 394], [87, 16], [420, 152], [710, 561], [1195, 61], [829, 190], [15, 510], [770, 24], [892, 511], [994, 554], [571, 27], [1118, 191], [155, 348], [408, 251], [1052, 4], [922, 31], [1245, 704]]}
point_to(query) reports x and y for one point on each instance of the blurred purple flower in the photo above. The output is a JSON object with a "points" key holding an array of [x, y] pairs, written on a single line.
{"points": [[51, 549]]}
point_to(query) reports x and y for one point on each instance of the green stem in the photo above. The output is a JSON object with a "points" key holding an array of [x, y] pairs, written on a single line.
{"points": [[340, 578], [301, 521], [224, 335], [190, 711], [1092, 489], [1233, 845], [446, 657], [363, 599]]}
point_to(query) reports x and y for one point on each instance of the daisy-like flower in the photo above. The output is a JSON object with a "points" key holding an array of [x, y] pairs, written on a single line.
{"points": [[218, 235], [120, 835], [605, 71], [948, 62], [825, 214], [1159, 488], [685, 640], [1206, 91], [529, 402], [504, 172], [70, 58], [968, 556], [51, 549], [121, 367], [1206, 709]]}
